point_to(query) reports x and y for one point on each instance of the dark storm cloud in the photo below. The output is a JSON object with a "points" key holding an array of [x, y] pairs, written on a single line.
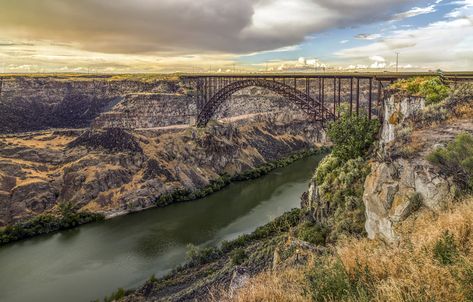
{"points": [[181, 26]]}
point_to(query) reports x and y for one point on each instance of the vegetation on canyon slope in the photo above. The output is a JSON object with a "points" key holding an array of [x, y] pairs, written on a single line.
{"points": [[182, 195], [433, 260], [352, 136], [67, 218], [433, 89], [456, 160], [340, 177]]}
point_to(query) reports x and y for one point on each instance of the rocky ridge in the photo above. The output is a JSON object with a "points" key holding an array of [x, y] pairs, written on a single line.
{"points": [[401, 179], [116, 171]]}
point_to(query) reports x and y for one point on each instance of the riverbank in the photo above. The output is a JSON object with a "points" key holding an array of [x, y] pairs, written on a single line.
{"points": [[114, 171], [186, 195], [48, 223], [126, 251]]}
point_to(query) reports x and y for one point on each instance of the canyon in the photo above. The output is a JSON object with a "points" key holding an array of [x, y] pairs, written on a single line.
{"points": [[116, 145], [133, 147]]}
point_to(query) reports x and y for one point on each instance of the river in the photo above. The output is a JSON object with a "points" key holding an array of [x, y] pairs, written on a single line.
{"points": [[92, 261]]}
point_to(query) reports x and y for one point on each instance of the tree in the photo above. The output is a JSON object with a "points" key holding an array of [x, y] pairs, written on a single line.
{"points": [[352, 135]]}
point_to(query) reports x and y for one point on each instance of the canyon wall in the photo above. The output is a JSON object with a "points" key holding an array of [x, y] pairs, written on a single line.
{"points": [[402, 180], [30, 103], [116, 171], [116, 154]]}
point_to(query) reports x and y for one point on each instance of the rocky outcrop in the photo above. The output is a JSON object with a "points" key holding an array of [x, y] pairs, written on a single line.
{"points": [[401, 179], [116, 171], [148, 110], [395, 190], [30, 103]]}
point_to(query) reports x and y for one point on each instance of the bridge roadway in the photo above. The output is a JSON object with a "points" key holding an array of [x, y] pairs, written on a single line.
{"points": [[319, 95]]}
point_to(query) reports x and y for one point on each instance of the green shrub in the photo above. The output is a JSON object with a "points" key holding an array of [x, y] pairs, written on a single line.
{"points": [[430, 88], [312, 233], [352, 135], [331, 282], [197, 255], [326, 167], [445, 249], [238, 256], [456, 160], [117, 295], [341, 186]]}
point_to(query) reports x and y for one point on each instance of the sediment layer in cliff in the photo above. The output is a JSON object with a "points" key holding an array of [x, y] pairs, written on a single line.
{"points": [[118, 171]]}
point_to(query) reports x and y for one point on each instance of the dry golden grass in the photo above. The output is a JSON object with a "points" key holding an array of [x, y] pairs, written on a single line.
{"points": [[41, 141], [409, 270], [281, 286], [464, 110], [406, 272]]}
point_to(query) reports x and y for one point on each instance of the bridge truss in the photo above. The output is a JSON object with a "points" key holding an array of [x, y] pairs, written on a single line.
{"points": [[319, 96]]}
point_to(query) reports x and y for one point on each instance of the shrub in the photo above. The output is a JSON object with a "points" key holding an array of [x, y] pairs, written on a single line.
{"points": [[330, 281], [341, 186], [456, 160], [117, 295], [153, 279], [352, 135], [238, 256], [196, 255], [313, 233], [430, 88], [445, 249]]}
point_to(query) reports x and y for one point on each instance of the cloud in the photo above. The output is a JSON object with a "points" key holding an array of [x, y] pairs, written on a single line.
{"points": [[185, 26], [377, 59], [416, 11], [443, 44], [367, 36]]}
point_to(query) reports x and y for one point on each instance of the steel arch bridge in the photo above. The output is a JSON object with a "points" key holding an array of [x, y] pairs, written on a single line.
{"points": [[313, 108], [318, 95]]}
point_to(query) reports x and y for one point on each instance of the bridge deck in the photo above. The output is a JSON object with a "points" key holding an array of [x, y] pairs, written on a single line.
{"points": [[385, 76], [319, 95]]}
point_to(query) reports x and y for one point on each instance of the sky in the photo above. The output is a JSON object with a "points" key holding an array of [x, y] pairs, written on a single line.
{"points": [[122, 36]]}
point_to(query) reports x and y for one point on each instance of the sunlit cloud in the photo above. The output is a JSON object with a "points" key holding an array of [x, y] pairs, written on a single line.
{"points": [[416, 11], [184, 35], [442, 44]]}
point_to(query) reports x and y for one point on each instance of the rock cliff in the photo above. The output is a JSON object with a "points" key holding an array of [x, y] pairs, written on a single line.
{"points": [[30, 103], [116, 171], [401, 179]]}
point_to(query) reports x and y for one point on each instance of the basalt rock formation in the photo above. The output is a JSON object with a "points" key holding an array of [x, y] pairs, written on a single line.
{"points": [[401, 179], [125, 142]]}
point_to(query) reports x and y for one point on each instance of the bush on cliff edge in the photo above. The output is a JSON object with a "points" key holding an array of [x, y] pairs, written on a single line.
{"points": [[340, 177], [430, 88], [352, 136], [456, 160]]}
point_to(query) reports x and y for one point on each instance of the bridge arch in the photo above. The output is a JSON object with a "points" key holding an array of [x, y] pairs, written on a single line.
{"points": [[312, 107]]}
